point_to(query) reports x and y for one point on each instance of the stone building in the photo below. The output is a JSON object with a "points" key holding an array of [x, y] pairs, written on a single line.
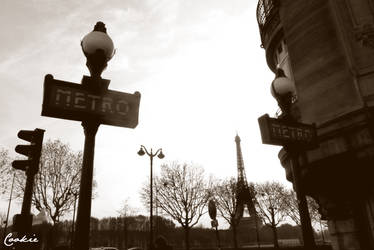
{"points": [[327, 48]]}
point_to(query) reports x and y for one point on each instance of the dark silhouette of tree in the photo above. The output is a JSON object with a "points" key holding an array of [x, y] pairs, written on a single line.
{"points": [[57, 180], [225, 193], [6, 171], [183, 193], [271, 205], [292, 209]]}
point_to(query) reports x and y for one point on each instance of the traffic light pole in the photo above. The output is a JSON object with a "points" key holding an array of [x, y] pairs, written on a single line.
{"points": [[82, 230], [23, 221], [27, 197]]}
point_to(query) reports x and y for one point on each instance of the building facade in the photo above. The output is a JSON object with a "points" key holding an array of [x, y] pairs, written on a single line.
{"points": [[327, 48]]}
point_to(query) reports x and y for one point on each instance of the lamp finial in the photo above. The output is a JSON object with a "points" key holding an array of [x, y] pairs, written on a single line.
{"points": [[100, 26]]}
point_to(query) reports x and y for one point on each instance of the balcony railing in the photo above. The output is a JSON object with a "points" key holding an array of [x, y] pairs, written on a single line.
{"points": [[267, 18]]}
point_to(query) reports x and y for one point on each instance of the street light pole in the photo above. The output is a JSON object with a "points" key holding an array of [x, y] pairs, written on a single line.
{"points": [[157, 221], [160, 155], [98, 49], [151, 204], [305, 222], [81, 234], [92, 103], [282, 88]]}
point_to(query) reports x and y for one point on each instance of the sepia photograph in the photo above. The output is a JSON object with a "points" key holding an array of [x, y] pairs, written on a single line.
{"points": [[187, 125]]}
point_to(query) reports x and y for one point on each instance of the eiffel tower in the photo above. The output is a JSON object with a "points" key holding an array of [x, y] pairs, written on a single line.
{"points": [[244, 196]]}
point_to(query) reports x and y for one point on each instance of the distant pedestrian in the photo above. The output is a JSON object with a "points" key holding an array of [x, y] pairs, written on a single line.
{"points": [[161, 244]]}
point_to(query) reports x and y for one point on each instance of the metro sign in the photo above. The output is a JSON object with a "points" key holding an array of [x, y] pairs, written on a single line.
{"points": [[278, 132], [74, 101]]}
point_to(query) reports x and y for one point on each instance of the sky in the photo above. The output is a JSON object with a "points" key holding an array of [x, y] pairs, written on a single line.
{"points": [[199, 68]]}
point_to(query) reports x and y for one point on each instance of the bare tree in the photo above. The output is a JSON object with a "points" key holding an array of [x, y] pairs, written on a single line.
{"points": [[57, 181], [183, 193], [292, 208], [313, 207], [6, 171], [271, 204], [225, 194]]}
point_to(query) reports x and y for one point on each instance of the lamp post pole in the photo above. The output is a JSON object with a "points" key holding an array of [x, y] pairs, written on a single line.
{"points": [[97, 58], [284, 96], [160, 155], [81, 234], [92, 103], [305, 222], [157, 222], [151, 204]]}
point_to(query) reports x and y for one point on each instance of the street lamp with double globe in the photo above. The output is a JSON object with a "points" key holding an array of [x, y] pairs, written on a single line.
{"points": [[160, 155]]}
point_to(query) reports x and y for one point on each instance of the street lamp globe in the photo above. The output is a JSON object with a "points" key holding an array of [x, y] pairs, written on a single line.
{"points": [[141, 152], [282, 85], [161, 155], [283, 90], [98, 48]]}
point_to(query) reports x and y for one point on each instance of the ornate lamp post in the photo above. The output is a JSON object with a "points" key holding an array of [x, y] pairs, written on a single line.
{"points": [[160, 155], [92, 103], [98, 48], [283, 89]]}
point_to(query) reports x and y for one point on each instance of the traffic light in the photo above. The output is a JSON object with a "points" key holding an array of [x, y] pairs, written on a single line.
{"points": [[32, 151]]}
